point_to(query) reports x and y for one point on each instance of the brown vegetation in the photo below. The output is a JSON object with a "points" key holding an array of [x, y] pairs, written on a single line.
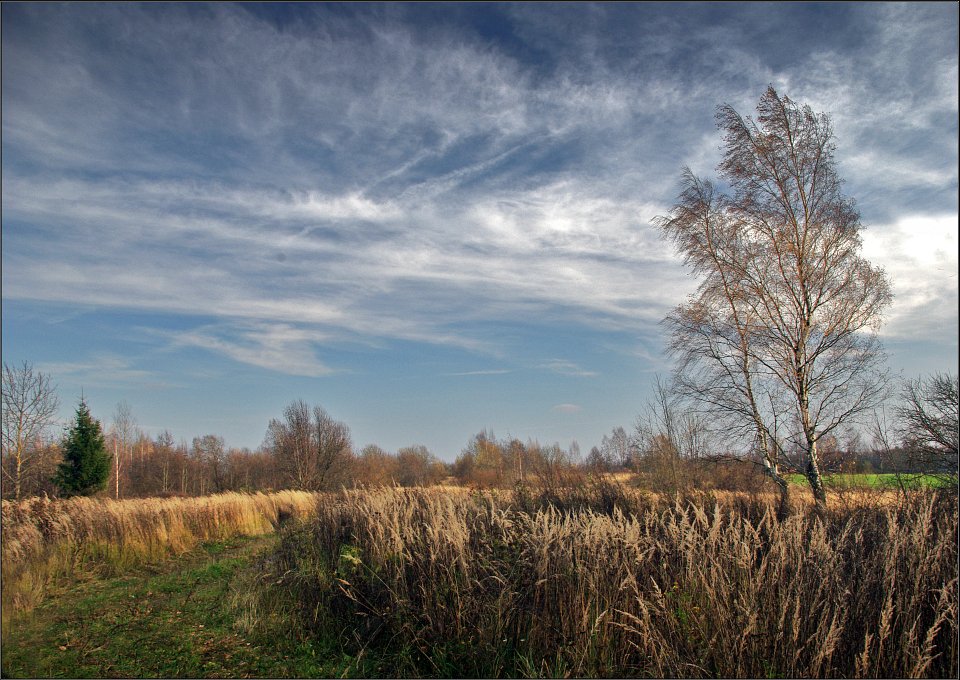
{"points": [[45, 540], [599, 581]]}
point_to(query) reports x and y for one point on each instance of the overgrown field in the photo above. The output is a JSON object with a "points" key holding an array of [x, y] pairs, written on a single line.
{"points": [[46, 542], [613, 583], [596, 580]]}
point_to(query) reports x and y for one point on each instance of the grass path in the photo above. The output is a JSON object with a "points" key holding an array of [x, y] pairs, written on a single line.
{"points": [[168, 620]]}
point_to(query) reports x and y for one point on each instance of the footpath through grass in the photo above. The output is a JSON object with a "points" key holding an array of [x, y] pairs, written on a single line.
{"points": [[168, 620]]}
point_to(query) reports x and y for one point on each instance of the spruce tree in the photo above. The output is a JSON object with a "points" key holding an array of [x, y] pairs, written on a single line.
{"points": [[86, 463]]}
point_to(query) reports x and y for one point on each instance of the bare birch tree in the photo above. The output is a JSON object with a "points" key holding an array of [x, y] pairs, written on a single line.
{"points": [[617, 450], [780, 339], [124, 432], [30, 403]]}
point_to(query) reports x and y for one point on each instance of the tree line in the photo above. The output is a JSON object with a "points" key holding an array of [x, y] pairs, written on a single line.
{"points": [[304, 449], [670, 446]]}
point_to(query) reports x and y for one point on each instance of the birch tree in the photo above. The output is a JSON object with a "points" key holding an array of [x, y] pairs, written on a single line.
{"points": [[30, 404], [779, 340], [124, 433]]}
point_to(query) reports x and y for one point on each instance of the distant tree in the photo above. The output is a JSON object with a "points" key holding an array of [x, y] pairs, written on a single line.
{"points": [[375, 467], [333, 451], [86, 464], [314, 452], [123, 433], [291, 442], [465, 466], [928, 418], [142, 472], [597, 462], [486, 461], [552, 467], [664, 419], [489, 466], [416, 466], [517, 459], [209, 451], [779, 341], [263, 473], [163, 454], [29, 405], [618, 450]]}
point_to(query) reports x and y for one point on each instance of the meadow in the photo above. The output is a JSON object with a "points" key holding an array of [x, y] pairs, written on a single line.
{"points": [[50, 542], [594, 580], [874, 480]]}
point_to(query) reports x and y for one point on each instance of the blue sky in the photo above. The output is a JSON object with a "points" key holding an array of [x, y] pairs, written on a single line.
{"points": [[430, 219]]}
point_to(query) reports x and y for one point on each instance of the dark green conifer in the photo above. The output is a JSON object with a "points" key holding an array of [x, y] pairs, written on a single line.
{"points": [[86, 463]]}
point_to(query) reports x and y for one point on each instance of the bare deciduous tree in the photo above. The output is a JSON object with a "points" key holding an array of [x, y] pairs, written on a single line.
{"points": [[668, 438], [417, 466], [928, 423], [210, 452], [376, 467], [617, 450], [780, 338], [30, 403], [289, 440], [332, 450], [163, 453], [124, 432], [311, 451]]}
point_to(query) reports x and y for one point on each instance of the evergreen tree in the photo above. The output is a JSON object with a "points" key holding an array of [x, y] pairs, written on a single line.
{"points": [[86, 463]]}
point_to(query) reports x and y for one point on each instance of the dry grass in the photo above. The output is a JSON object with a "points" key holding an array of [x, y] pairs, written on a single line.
{"points": [[607, 582], [45, 541]]}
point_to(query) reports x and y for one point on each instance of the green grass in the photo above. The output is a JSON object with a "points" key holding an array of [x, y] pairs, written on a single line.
{"points": [[167, 620], [872, 480]]}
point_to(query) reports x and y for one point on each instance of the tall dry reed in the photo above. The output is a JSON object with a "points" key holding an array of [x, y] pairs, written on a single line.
{"points": [[493, 584], [46, 540]]}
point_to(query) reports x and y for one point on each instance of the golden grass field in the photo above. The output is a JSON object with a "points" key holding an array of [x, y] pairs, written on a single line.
{"points": [[608, 581], [593, 580]]}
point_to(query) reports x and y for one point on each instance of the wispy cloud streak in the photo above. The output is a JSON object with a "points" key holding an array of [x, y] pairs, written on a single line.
{"points": [[369, 177]]}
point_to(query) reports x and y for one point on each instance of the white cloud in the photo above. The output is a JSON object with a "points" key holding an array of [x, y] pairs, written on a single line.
{"points": [[279, 347], [567, 408], [919, 253]]}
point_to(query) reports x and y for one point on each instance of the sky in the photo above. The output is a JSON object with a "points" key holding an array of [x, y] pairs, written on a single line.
{"points": [[429, 219]]}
